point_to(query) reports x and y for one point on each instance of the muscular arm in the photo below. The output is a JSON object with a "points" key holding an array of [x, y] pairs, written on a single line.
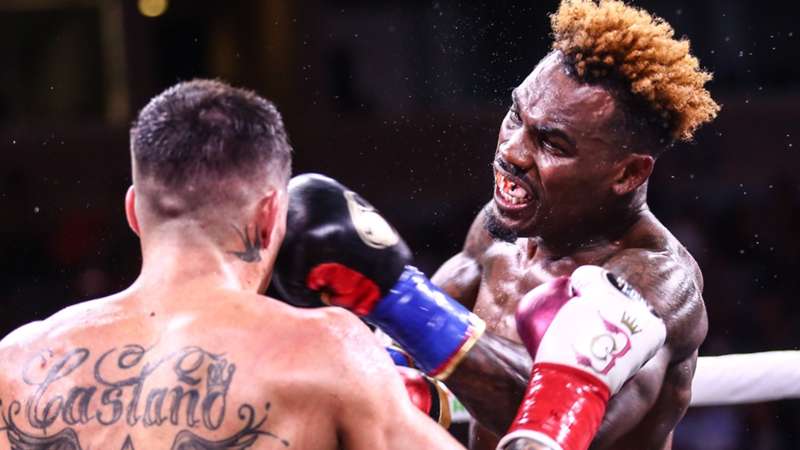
{"points": [[658, 396], [491, 380]]}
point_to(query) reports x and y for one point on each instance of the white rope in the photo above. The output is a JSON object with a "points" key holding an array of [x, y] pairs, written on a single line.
{"points": [[722, 380], [746, 378]]}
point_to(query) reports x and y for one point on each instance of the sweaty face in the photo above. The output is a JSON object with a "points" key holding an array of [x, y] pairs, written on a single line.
{"points": [[556, 155]]}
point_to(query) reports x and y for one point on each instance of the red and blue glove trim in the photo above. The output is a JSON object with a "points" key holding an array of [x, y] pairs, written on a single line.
{"points": [[400, 357], [434, 329]]}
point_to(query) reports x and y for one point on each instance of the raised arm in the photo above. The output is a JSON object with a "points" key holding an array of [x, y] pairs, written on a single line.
{"points": [[491, 380], [658, 396], [495, 364]]}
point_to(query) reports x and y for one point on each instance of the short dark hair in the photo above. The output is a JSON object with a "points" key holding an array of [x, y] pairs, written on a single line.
{"points": [[205, 132]]}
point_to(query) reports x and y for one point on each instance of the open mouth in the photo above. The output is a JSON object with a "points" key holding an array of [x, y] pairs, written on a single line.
{"points": [[510, 192]]}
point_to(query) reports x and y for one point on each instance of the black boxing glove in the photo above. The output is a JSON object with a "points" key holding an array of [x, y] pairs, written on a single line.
{"points": [[326, 223], [339, 250]]}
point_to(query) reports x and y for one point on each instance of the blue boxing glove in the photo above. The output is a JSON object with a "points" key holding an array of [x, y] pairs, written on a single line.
{"points": [[339, 251]]}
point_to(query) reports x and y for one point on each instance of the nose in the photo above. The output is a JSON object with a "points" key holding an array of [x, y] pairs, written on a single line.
{"points": [[515, 150]]}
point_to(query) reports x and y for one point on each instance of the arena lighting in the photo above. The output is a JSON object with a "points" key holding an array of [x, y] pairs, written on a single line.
{"points": [[153, 8]]}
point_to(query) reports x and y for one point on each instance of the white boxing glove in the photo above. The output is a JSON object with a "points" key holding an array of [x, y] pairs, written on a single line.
{"points": [[607, 329], [601, 336]]}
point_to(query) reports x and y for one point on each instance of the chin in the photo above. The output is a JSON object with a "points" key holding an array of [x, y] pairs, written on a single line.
{"points": [[504, 228]]}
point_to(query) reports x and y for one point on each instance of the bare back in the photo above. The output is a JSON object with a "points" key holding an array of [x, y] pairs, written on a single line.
{"points": [[236, 371]]}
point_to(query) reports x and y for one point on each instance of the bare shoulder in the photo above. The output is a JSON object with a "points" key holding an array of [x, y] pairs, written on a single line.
{"points": [[335, 335], [670, 279], [12, 345], [17, 346], [339, 362], [32, 334], [460, 275], [478, 238], [344, 335], [328, 322]]}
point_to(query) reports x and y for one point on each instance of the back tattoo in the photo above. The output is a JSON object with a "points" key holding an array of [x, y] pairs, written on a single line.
{"points": [[196, 400]]}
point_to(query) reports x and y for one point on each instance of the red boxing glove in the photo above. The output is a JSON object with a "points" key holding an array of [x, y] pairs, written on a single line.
{"points": [[426, 394]]}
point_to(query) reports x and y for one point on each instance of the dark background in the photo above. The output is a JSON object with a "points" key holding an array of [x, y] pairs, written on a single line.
{"points": [[401, 100]]}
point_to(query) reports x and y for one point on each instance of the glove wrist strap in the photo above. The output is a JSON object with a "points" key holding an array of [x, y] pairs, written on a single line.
{"points": [[528, 436], [434, 329], [564, 403]]}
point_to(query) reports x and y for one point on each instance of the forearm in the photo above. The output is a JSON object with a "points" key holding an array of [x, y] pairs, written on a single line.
{"points": [[491, 380], [652, 403], [626, 409]]}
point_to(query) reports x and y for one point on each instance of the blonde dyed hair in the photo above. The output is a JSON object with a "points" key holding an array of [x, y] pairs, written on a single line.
{"points": [[609, 39]]}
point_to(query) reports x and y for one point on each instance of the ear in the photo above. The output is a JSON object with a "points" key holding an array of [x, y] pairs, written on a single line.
{"points": [[130, 210], [271, 218], [634, 170]]}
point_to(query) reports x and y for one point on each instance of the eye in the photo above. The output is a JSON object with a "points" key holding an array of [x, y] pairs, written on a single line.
{"points": [[551, 146], [514, 115]]}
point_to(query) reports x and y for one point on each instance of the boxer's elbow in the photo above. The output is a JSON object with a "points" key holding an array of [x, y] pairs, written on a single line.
{"points": [[686, 331], [646, 386], [632, 403], [682, 397]]}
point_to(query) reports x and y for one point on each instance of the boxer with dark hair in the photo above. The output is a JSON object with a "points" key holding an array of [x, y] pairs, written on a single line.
{"points": [[574, 155], [191, 356]]}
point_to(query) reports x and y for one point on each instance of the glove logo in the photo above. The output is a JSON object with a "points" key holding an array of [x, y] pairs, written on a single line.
{"points": [[600, 352], [371, 227]]}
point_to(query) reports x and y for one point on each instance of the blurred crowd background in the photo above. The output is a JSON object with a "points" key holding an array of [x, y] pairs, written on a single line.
{"points": [[401, 100]]}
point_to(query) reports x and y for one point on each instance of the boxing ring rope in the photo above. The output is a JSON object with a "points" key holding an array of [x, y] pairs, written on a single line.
{"points": [[746, 378], [730, 380], [720, 380]]}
